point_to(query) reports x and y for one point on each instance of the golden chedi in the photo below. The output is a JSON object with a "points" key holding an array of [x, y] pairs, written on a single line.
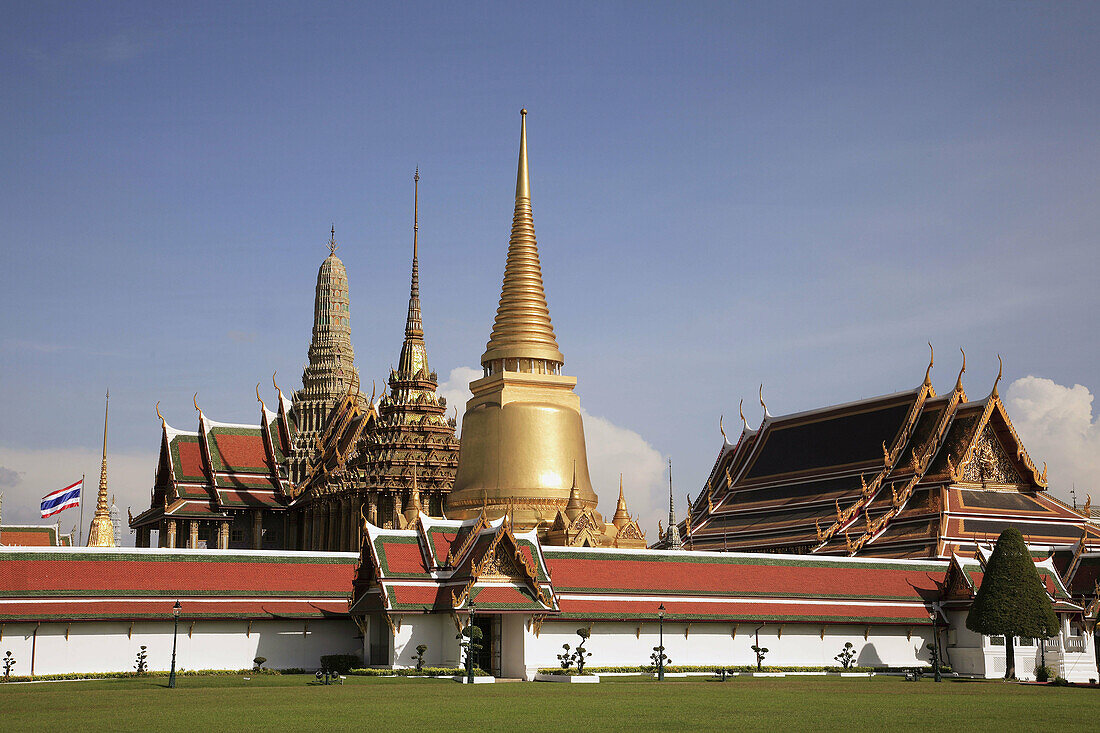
{"points": [[522, 434], [101, 533]]}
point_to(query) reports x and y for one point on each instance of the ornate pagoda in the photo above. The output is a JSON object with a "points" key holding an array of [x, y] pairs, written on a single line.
{"points": [[522, 434], [911, 474], [383, 464], [330, 373]]}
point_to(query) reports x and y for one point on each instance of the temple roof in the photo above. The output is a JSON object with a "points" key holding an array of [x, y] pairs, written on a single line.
{"points": [[63, 584]]}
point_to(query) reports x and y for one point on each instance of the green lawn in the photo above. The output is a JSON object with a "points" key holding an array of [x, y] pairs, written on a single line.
{"points": [[292, 703]]}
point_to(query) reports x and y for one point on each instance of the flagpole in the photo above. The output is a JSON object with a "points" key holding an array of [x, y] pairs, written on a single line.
{"points": [[80, 527]]}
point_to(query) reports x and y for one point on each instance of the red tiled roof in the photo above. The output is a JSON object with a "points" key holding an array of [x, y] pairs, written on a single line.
{"points": [[28, 536], [399, 556], [241, 452], [755, 575], [727, 610], [105, 584], [190, 458]]}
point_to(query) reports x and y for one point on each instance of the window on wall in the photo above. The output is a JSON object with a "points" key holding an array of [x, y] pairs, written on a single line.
{"points": [[236, 535], [996, 641], [1027, 641]]}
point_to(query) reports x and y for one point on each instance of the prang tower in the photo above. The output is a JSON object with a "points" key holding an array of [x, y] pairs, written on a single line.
{"points": [[522, 438], [331, 369]]}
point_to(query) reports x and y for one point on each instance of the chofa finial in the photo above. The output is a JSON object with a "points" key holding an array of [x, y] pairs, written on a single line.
{"points": [[163, 422], [766, 413], [195, 401], [931, 363], [1000, 370], [959, 381], [741, 411], [722, 429]]}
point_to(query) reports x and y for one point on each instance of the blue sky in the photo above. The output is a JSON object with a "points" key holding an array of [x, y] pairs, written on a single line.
{"points": [[793, 194]]}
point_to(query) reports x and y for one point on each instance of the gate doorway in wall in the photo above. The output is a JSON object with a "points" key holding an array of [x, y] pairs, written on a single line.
{"points": [[379, 641], [488, 658]]}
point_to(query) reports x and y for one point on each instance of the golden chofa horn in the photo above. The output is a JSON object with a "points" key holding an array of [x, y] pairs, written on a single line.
{"points": [[931, 363], [741, 411], [959, 381], [1000, 370], [162, 420], [275, 385], [766, 415], [195, 401], [722, 429]]}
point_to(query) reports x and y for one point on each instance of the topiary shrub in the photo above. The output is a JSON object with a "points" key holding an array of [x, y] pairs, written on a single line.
{"points": [[141, 664], [9, 665], [339, 663], [1043, 674], [420, 649], [1012, 600], [258, 663], [847, 655]]}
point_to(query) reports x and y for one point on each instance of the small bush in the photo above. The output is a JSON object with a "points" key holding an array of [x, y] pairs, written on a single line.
{"points": [[9, 665], [413, 672], [339, 663], [258, 663], [1043, 674], [847, 655], [141, 664]]}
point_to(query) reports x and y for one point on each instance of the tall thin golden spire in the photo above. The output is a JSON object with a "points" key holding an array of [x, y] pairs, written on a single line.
{"points": [[522, 329], [102, 531], [414, 352]]}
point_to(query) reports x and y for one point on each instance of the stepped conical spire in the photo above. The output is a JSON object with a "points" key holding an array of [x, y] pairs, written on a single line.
{"points": [[102, 531], [672, 534], [414, 354], [622, 516], [522, 329]]}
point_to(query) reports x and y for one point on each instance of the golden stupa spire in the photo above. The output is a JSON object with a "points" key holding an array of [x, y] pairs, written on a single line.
{"points": [[414, 353], [522, 329], [622, 516], [102, 531]]}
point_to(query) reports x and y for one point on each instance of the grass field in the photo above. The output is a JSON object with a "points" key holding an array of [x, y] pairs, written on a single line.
{"points": [[292, 703]]}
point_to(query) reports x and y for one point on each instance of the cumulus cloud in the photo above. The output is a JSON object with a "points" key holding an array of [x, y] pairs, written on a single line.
{"points": [[38, 472], [457, 389], [1056, 425], [611, 450]]}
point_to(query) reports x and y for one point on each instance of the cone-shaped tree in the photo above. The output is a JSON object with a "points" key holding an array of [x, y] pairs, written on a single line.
{"points": [[1012, 600]]}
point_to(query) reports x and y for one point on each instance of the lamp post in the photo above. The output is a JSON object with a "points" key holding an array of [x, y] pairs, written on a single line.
{"points": [[935, 644], [175, 628], [470, 646], [661, 642]]}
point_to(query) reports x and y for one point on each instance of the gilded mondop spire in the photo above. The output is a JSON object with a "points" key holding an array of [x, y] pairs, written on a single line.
{"points": [[102, 531], [414, 354], [522, 329]]}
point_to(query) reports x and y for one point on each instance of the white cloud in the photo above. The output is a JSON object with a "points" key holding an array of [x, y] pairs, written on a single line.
{"points": [[129, 477], [1056, 425], [457, 390], [611, 450]]}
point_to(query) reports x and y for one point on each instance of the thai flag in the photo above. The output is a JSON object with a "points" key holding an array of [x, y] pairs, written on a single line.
{"points": [[61, 499]]}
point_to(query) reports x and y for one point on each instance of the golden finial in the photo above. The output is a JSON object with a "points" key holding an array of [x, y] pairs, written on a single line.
{"points": [[721, 429], [1000, 370], [332, 246], [195, 401], [931, 363], [1088, 504], [276, 386], [820, 534], [741, 412], [260, 399], [163, 423], [959, 381], [766, 413]]}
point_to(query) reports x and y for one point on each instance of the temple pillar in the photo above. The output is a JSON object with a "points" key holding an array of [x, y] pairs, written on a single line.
{"points": [[257, 530], [143, 536], [330, 525], [171, 542], [193, 534], [318, 514], [223, 535], [372, 508], [292, 541], [342, 538]]}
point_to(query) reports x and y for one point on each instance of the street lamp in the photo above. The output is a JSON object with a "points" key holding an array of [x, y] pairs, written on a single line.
{"points": [[175, 628], [661, 642], [932, 615]]}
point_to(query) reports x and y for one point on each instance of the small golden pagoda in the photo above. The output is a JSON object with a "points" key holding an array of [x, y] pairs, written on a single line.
{"points": [[102, 531]]}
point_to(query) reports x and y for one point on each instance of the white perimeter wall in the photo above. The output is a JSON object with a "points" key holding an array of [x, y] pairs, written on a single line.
{"points": [[106, 646], [437, 630], [616, 644]]}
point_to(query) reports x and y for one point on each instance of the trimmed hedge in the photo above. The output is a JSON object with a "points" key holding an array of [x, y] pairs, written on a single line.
{"points": [[649, 669], [412, 672], [160, 673]]}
